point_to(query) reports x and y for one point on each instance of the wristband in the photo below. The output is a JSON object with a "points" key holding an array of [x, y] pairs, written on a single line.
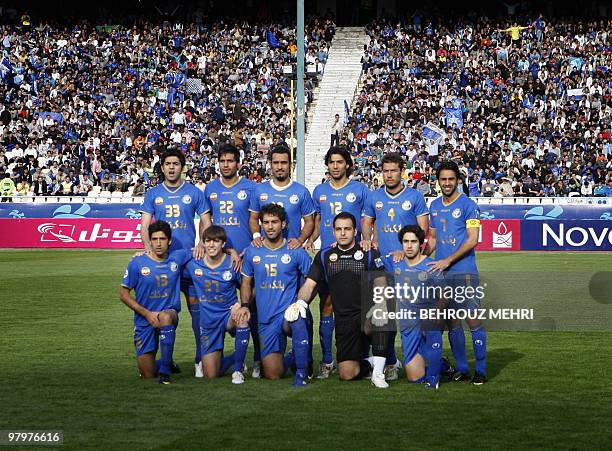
{"points": [[256, 235]]}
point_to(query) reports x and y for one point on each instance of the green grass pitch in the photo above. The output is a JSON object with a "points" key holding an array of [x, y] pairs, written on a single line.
{"points": [[68, 363]]}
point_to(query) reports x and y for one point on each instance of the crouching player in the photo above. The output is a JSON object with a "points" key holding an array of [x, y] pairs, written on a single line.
{"points": [[275, 270], [215, 282], [343, 268], [155, 277], [418, 291]]}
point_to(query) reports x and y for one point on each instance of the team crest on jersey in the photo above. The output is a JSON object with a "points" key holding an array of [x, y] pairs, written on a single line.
{"points": [[186, 199], [263, 197], [350, 197], [173, 266], [286, 258], [333, 258], [159, 200], [294, 199], [406, 205], [322, 198], [198, 272], [145, 271], [256, 259], [434, 213], [379, 205], [422, 276], [227, 276], [242, 195], [456, 213], [213, 196], [358, 255]]}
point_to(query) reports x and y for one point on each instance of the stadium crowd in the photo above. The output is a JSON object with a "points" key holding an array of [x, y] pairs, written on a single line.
{"points": [[534, 102], [86, 106]]}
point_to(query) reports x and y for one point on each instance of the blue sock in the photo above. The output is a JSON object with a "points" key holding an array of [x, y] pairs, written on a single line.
{"points": [[255, 335], [289, 361], [456, 337], [391, 356], [226, 364], [241, 346], [432, 352], [194, 311], [300, 345], [326, 334], [310, 324], [479, 342], [167, 335], [419, 380]]}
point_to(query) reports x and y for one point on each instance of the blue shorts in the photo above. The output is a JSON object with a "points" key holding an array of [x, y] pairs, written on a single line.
{"points": [[212, 331], [146, 339], [272, 336], [188, 287], [412, 340], [466, 289]]}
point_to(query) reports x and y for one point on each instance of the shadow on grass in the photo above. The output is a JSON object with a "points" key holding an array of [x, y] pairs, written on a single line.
{"points": [[498, 359]]}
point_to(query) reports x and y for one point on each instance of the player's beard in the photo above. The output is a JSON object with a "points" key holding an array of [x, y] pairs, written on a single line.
{"points": [[229, 176], [452, 193], [391, 188], [281, 178]]}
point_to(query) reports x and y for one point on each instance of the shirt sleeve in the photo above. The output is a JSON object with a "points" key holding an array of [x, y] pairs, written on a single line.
{"points": [[472, 215], [365, 195], [317, 272], [130, 278], [247, 263], [420, 207], [254, 201], [147, 204], [315, 200], [204, 205], [307, 208], [304, 262], [368, 208]]}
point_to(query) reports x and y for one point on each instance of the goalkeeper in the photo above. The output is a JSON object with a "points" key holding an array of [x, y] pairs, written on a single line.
{"points": [[348, 270]]}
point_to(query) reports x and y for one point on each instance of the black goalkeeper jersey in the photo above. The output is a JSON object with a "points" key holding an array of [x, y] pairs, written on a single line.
{"points": [[349, 275]]}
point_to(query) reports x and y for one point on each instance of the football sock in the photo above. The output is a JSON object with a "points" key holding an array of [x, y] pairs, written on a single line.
{"points": [[289, 361], [241, 344], [479, 343], [365, 367], [391, 356], [432, 352], [194, 311], [456, 337], [167, 335], [226, 363], [326, 332], [378, 364], [310, 324], [419, 380], [300, 345]]}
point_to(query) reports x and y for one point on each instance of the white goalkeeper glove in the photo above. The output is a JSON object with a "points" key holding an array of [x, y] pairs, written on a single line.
{"points": [[378, 315], [295, 310]]}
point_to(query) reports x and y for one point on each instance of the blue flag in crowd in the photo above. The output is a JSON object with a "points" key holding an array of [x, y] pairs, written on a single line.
{"points": [[528, 102], [454, 116], [272, 40]]}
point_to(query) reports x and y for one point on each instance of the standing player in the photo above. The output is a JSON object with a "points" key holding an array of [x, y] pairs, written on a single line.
{"points": [[455, 220], [274, 271], [343, 268], [421, 340], [335, 196], [227, 200], [178, 203], [388, 209], [297, 202], [215, 282], [155, 277]]}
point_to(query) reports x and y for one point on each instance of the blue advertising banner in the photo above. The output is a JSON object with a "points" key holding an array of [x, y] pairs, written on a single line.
{"points": [[600, 211], [570, 235]]}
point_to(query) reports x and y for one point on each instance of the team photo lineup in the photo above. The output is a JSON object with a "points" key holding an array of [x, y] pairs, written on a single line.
{"points": [[256, 238]]}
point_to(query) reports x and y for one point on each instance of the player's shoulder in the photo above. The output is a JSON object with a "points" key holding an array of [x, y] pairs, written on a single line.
{"points": [[437, 202], [467, 201]]}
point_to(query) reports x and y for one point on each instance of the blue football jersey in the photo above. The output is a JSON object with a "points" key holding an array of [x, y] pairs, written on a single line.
{"points": [[215, 288], [391, 213], [156, 284], [329, 201], [295, 198], [179, 207], [451, 223], [229, 208], [277, 277]]}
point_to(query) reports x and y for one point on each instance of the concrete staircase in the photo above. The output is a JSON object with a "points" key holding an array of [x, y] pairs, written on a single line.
{"points": [[340, 80]]}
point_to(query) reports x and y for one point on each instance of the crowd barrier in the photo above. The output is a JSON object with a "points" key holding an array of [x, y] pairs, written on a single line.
{"points": [[508, 224]]}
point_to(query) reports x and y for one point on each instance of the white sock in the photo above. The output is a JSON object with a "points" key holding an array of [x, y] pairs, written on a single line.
{"points": [[378, 363]]}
